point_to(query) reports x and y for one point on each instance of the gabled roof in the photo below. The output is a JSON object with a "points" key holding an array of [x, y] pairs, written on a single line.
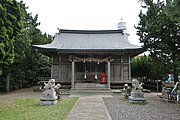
{"points": [[89, 40]]}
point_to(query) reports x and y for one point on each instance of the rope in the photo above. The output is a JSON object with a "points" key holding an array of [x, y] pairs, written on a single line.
{"points": [[98, 60]]}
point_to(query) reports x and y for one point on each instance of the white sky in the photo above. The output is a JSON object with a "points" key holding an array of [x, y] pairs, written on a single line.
{"points": [[85, 15]]}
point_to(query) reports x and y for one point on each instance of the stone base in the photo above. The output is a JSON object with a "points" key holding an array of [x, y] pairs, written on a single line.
{"points": [[137, 95], [132, 99], [48, 101]]}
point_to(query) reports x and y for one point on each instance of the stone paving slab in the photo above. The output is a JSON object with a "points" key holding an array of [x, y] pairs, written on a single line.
{"points": [[89, 108], [90, 94]]}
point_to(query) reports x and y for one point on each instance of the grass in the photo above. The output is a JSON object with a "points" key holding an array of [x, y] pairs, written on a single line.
{"points": [[30, 109]]}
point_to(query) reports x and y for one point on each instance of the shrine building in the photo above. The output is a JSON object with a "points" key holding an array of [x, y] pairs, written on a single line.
{"points": [[84, 56]]}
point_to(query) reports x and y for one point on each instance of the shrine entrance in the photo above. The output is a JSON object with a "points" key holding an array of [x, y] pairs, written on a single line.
{"points": [[90, 71], [87, 68]]}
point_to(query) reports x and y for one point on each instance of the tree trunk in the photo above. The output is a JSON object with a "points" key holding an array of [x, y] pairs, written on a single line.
{"points": [[8, 81], [175, 73], [175, 68]]}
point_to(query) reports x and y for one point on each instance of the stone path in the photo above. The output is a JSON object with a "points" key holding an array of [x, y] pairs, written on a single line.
{"points": [[89, 108]]}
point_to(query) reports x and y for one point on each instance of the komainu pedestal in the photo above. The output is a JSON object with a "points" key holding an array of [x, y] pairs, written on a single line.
{"points": [[136, 94], [49, 96]]}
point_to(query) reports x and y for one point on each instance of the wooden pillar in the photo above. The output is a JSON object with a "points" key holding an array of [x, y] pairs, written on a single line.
{"points": [[52, 67], [129, 68], [122, 68], [72, 76], [109, 76], [59, 67]]}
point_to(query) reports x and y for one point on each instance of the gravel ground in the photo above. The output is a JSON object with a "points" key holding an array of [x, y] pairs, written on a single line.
{"points": [[155, 108], [118, 107]]}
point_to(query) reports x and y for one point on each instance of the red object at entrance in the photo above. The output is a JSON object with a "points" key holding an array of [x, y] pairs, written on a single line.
{"points": [[103, 78]]}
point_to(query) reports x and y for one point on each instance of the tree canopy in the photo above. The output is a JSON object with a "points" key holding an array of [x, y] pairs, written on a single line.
{"points": [[147, 68], [160, 34], [10, 26], [28, 64], [173, 9], [141, 67]]}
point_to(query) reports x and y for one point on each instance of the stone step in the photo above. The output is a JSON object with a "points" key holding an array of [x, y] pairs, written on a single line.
{"points": [[92, 86], [90, 90], [98, 91]]}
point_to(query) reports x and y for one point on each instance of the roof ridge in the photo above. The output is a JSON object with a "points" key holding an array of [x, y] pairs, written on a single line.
{"points": [[90, 31]]}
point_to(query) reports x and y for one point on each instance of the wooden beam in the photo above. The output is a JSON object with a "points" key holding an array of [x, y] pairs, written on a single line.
{"points": [[122, 68]]}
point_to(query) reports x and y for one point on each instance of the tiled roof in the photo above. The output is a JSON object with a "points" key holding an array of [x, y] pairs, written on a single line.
{"points": [[89, 40]]}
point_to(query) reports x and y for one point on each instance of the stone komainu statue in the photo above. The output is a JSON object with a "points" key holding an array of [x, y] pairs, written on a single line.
{"points": [[50, 84], [136, 94], [136, 85], [49, 95]]}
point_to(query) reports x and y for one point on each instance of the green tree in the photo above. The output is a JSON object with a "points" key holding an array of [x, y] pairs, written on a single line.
{"points": [[148, 68], [159, 69], [160, 35], [173, 9], [10, 26], [141, 67], [28, 63]]}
